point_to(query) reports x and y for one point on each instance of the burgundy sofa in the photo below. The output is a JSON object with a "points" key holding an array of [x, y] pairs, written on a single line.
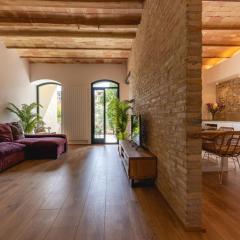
{"points": [[14, 150], [10, 154]]}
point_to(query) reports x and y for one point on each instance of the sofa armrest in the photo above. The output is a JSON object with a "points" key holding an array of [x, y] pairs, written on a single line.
{"points": [[45, 135]]}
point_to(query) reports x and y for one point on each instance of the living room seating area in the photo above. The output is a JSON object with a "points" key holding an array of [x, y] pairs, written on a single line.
{"points": [[16, 147]]}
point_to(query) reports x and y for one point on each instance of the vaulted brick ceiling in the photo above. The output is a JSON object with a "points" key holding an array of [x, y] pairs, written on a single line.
{"points": [[59, 31], [221, 31]]}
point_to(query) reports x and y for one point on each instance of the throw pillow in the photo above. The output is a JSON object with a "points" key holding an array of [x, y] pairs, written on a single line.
{"points": [[17, 130], [5, 133]]}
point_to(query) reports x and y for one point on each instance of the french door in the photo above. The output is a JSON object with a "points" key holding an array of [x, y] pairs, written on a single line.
{"points": [[102, 130]]}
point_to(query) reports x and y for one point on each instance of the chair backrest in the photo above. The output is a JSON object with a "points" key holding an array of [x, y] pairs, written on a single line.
{"points": [[236, 143], [226, 129], [228, 143], [210, 126]]}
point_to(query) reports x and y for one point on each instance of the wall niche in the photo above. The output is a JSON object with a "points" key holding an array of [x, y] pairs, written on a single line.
{"points": [[228, 93]]}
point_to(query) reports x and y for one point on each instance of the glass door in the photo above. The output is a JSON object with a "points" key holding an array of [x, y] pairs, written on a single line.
{"points": [[99, 115], [110, 136], [102, 126]]}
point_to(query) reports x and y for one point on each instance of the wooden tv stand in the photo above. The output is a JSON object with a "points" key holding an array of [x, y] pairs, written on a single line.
{"points": [[139, 163]]}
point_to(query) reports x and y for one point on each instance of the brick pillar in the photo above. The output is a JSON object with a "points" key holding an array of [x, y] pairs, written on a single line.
{"points": [[194, 115], [166, 83]]}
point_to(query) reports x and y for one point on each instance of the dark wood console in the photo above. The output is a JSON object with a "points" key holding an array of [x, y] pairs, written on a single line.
{"points": [[139, 163]]}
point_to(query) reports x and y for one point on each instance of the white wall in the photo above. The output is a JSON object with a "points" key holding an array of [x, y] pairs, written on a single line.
{"points": [[76, 81], [15, 84], [229, 69], [81, 74]]}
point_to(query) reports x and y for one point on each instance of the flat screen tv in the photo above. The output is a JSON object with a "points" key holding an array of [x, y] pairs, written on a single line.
{"points": [[136, 129]]}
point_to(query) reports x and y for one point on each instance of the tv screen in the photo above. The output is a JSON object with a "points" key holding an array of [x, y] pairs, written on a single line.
{"points": [[136, 129]]}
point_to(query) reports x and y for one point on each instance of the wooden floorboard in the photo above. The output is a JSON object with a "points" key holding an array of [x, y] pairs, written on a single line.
{"points": [[86, 195]]}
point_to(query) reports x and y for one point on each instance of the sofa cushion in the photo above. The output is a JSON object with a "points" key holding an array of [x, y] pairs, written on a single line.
{"points": [[42, 141], [5, 133], [49, 135], [17, 130], [7, 148], [41, 148]]}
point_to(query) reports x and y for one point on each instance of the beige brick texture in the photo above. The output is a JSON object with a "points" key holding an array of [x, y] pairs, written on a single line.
{"points": [[165, 66]]}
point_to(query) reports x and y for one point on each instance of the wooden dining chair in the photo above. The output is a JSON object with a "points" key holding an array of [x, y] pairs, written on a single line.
{"points": [[208, 155], [236, 155], [224, 145]]}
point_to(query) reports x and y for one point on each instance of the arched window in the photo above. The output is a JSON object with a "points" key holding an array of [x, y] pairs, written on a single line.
{"points": [[49, 96], [105, 84], [103, 92]]}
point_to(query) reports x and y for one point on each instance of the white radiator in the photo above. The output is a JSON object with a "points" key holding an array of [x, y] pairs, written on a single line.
{"points": [[76, 105]]}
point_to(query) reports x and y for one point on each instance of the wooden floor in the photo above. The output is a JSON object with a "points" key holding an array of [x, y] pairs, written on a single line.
{"points": [[85, 195]]}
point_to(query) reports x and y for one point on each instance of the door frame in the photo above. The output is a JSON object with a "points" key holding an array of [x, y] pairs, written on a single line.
{"points": [[93, 107], [38, 98]]}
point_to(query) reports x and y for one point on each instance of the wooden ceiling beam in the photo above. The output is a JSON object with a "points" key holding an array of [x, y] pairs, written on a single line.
{"points": [[209, 58], [32, 11], [69, 57], [77, 60], [223, 28], [215, 57], [79, 20], [47, 61], [211, 62], [220, 0], [65, 34], [105, 4], [223, 15], [62, 42], [70, 48], [224, 37], [69, 53], [59, 60], [220, 45], [219, 52], [67, 27]]}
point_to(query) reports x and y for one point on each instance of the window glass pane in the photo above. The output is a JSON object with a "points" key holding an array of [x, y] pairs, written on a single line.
{"points": [[110, 93], [104, 84], [99, 114]]}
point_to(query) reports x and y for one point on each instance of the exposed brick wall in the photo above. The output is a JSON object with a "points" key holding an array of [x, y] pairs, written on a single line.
{"points": [[166, 82], [228, 94]]}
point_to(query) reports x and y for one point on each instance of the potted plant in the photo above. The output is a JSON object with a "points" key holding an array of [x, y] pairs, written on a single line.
{"points": [[118, 112], [214, 108], [27, 114]]}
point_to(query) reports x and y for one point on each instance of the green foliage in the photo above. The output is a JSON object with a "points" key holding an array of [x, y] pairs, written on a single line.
{"points": [[27, 115], [110, 95], [118, 113], [59, 113], [99, 117]]}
